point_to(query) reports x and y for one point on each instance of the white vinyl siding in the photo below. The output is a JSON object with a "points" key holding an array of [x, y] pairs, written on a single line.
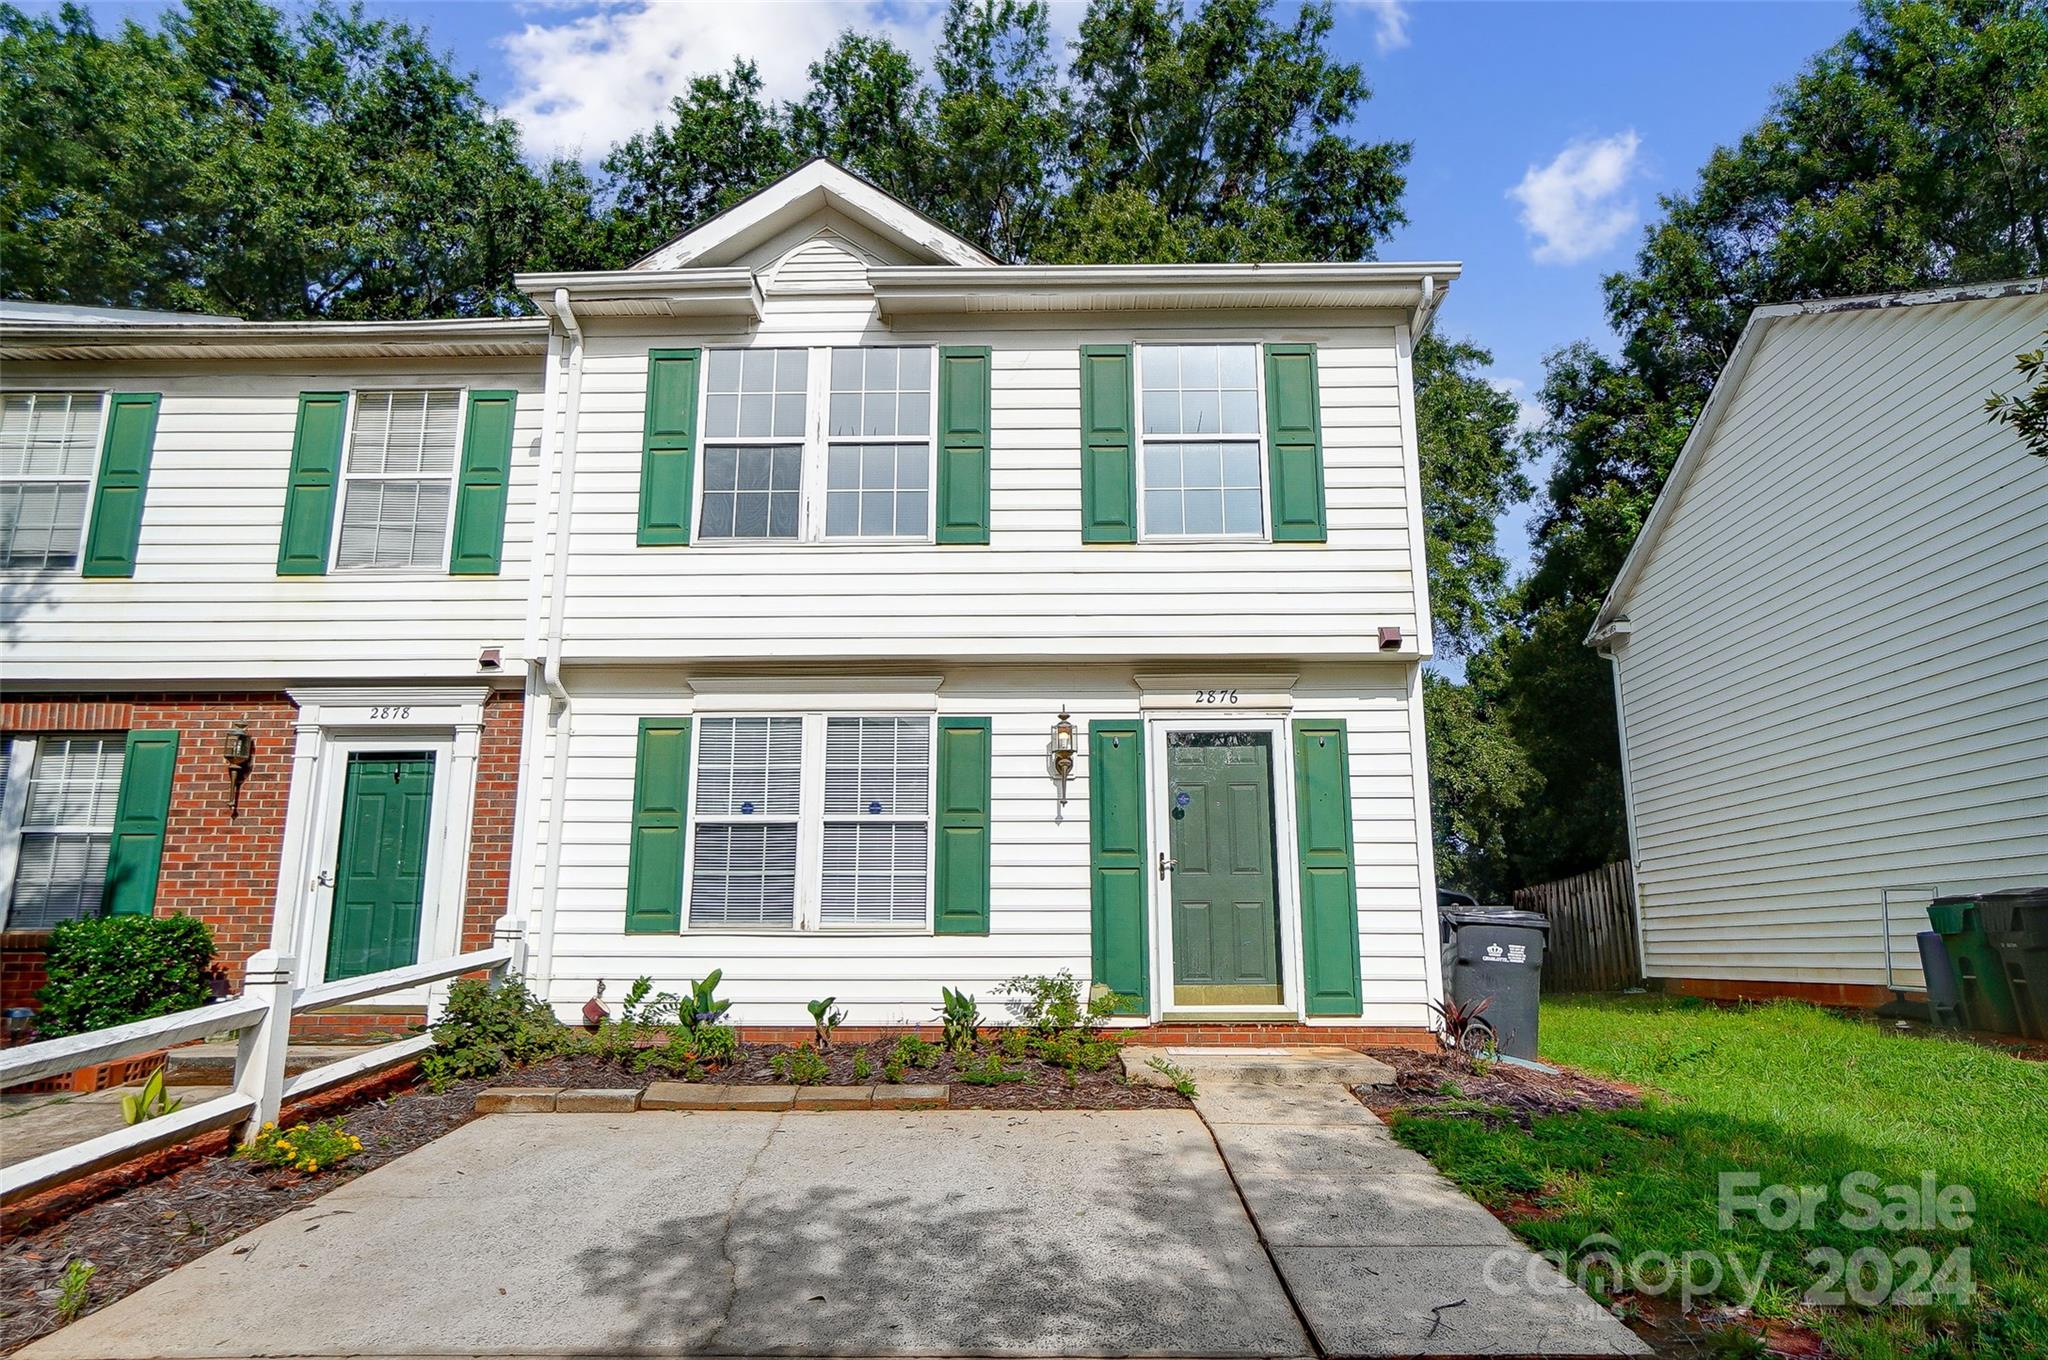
{"points": [[49, 442], [1198, 466], [1836, 687], [397, 479], [62, 826]]}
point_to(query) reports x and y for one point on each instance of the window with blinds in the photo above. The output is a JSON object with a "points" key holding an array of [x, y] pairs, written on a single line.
{"points": [[398, 479], [48, 444], [744, 838], [61, 799], [877, 851]]}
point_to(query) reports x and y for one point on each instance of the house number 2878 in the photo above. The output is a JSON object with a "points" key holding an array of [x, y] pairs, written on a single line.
{"points": [[390, 712], [1215, 696]]}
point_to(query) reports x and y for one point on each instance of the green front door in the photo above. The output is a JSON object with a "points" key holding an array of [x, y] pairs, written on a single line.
{"points": [[1226, 914], [380, 874]]}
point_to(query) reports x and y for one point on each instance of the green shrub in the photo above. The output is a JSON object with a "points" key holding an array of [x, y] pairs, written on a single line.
{"points": [[111, 970], [961, 1020], [801, 1066], [303, 1147], [911, 1051], [991, 1072], [1051, 1005], [486, 1029]]}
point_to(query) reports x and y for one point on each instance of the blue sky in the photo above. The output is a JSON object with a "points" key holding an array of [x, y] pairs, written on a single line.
{"points": [[1543, 132]]}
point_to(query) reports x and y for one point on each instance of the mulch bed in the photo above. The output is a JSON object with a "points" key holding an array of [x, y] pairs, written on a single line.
{"points": [[1045, 1087], [1438, 1082], [138, 1233]]}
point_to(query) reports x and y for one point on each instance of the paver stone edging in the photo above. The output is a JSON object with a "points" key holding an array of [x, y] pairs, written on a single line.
{"points": [[683, 1095]]}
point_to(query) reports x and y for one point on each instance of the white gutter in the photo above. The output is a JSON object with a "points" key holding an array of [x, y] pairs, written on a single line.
{"points": [[560, 708]]}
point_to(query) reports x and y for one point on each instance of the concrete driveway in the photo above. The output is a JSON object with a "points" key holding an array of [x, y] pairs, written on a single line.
{"points": [[923, 1233]]}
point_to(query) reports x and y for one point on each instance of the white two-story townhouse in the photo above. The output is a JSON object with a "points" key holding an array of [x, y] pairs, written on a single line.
{"points": [[263, 595], [909, 620]]}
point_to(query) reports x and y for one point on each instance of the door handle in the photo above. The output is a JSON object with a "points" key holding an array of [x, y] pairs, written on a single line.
{"points": [[1165, 864], [323, 879]]}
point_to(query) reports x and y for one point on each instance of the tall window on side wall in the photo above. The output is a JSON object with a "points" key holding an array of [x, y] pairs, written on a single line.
{"points": [[878, 462], [56, 827], [49, 442], [1199, 464], [754, 424], [398, 480], [812, 822]]}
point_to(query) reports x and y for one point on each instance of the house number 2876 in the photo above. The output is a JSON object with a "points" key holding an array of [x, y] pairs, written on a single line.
{"points": [[1215, 696], [385, 712]]}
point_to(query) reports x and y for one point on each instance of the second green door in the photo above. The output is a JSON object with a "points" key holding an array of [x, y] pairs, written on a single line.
{"points": [[381, 868], [1226, 916]]}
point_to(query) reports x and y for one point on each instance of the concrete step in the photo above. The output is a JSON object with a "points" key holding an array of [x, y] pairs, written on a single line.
{"points": [[1293, 1065], [214, 1064]]}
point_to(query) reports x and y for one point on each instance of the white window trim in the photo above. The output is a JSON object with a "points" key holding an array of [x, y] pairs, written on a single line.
{"points": [[817, 442], [810, 826], [92, 488], [345, 477], [1259, 440], [19, 768]]}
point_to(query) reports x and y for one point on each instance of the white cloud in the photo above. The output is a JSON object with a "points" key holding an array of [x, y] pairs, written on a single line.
{"points": [[1529, 415], [1393, 23], [1574, 206], [584, 81]]}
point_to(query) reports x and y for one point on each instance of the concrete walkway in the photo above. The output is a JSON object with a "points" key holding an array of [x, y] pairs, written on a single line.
{"points": [[33, 1125], [1383, 1256]]}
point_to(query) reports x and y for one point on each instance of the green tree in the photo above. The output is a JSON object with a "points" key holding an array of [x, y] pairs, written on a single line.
{"points": [[1471, 474], [1480, 779], [233, 162], [1913, 152], [2026, 410]]}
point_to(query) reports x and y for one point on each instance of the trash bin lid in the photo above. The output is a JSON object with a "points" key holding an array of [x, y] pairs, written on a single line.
{"points": [[2026, 899], [1495, 916]]}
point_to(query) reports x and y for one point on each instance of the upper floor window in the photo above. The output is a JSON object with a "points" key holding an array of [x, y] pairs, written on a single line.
{"points": [[49, 442], [398, 479], [57, 826], [803, 445], [1199, 464]]}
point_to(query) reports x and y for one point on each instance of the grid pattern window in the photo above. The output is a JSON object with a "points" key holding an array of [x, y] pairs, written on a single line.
{"points": [[744, 841], [399, 476], [879, 454], [877, 821], [66, 829], [1200, 466], [754, 428], [48, 444]]}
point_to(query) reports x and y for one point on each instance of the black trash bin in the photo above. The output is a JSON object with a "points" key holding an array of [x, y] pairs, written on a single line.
{"points": [[1497, 953], [2016, 924]]}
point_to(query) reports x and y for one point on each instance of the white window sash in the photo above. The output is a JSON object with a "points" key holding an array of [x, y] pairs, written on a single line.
{"points": [[20, 759], [87, 480], [352, 479], [1256, 439]]}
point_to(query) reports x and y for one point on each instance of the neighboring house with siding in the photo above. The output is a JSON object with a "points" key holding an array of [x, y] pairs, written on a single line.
{"points": [[1830, 649], [818, 524]]}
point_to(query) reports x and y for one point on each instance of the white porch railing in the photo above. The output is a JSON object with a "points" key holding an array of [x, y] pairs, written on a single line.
{"points": [[263, 1015]]}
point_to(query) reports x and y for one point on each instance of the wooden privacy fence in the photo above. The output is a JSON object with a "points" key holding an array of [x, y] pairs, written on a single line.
{"points": [[1592, 915]]}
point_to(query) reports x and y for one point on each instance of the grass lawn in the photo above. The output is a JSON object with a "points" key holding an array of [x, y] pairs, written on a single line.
{"points": [[1800, 1097]]}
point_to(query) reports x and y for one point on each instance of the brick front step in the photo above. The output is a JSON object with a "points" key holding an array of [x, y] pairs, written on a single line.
{"points": [[680, 1095]]}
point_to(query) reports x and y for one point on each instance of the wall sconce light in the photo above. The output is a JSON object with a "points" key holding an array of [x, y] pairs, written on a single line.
{"points": [[1062, 749], [238, 752]]}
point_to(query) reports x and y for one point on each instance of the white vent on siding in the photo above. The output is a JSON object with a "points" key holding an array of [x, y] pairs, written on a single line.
{"points": [[824, 264]]}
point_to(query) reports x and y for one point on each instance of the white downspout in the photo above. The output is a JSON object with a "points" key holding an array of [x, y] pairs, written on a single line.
{"points": [[560, 707]]}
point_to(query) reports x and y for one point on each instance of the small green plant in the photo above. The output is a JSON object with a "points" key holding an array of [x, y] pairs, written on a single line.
{"points": [[1015, 1043], [1051, 1004], [863, 1070], [304, 1147], [486, 1028], [74, 1289], [990, 1072], [960, 1019], [911, 1051], [824, 1019], [688, 1054], [151, 1103], [800, 1066], [717, 1043], [892, 1071], [110, 970], [1182, 1079]]}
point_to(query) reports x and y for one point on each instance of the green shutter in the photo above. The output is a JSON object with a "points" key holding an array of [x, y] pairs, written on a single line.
{"points": [[661, 791], [1116, 860], [668, 456], [116, 522], [963, 445], [1294, 444], [486, 475], [140, 811], [1329, 896], [1109, 473], [316, 474], [963, 850]]}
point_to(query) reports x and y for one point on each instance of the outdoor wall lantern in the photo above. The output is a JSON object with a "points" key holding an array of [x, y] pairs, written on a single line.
{"points": [[1062, 749], [238, 752]]}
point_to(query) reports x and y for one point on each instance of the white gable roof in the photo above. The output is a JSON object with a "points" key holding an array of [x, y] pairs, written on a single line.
{"points": [[800, 194]]}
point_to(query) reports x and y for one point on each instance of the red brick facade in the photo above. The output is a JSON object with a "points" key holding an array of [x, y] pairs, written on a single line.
{"points": [[221, 853], [1852, 995]]}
